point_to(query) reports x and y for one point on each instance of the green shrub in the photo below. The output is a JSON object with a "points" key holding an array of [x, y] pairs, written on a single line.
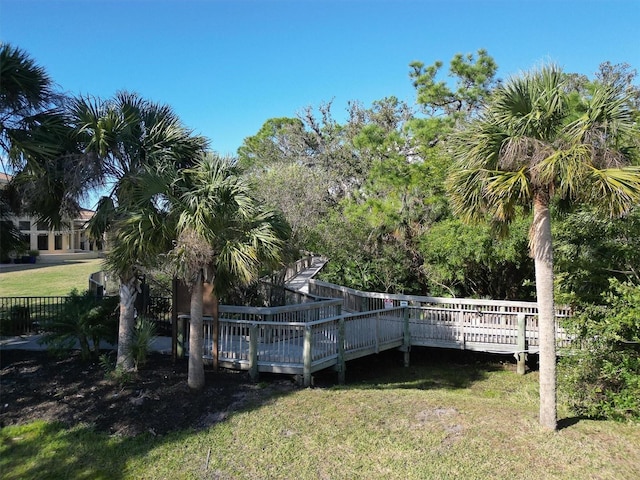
{"points": [[143, 335], [85, 321], [601, 378]]}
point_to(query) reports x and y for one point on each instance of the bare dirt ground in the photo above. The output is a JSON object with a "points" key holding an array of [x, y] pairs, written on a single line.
{"points": [[36, 385]]}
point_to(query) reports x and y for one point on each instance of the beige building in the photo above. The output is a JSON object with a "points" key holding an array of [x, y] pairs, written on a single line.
{"points": [[70, 240]]}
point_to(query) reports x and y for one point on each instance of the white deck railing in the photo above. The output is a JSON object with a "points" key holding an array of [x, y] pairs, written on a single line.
{"points": [[358, 301], [302, 339]]}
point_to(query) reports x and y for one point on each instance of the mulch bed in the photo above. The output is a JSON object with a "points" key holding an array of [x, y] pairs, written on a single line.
{"points": [[36, 385]]}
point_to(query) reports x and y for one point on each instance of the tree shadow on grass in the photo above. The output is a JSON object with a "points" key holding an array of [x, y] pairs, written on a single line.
{"points": [[61, 418], [429, 368], [571, 421], [92, 441]]}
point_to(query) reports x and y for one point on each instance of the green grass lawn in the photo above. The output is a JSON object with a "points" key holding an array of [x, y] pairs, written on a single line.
{"points": [[48, 279], [427, 421]]}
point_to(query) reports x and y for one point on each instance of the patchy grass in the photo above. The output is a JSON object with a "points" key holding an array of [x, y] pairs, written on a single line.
{"points": [[48, 279], [436, 419]]}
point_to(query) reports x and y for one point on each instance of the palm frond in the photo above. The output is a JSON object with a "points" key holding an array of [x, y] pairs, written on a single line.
{"points": [[507, 190], [102, 218], [467, 189], [614, 190]]}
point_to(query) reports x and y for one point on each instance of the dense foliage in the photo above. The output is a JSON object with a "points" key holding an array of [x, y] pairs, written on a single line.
{"points": [[602, 377]]}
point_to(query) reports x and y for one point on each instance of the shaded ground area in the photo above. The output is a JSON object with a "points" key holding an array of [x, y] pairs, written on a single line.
{"points": [[35, 385]]}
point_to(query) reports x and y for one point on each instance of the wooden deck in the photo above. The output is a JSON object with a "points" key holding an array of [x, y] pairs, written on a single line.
{"points": [[303, 339]]}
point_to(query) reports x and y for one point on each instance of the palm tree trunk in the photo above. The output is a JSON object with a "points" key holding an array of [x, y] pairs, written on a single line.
{"points": [[195, 375], [542, 252], [128, 293]]}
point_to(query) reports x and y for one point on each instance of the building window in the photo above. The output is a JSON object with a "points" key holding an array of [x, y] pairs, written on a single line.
{"points": [[43, 242], [57, 244], [42, 226], [24, 225]]}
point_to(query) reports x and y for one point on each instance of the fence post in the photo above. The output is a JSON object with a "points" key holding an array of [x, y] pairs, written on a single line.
{"points": [[306, 357], [521, 356], [406, 337], [342, 364], [253, 352], [174, 319], [460, 311], [377, 332]]}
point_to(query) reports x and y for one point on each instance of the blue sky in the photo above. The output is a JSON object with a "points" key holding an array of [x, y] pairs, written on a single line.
{"points": [[227, 66]]}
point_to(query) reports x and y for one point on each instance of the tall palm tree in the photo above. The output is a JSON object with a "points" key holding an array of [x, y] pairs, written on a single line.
{"points": [[529, 148], [223, 237], [126, 136]]}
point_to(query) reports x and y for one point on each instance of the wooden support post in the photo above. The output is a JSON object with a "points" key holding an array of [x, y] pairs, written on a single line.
{"points": [[181, 336], [406, 338], [521, 356], [215, 348], [342, 364], [174, 319], [253, 352], [306, 357]]}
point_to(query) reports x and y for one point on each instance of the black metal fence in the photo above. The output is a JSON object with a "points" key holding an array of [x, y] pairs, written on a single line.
{"points": [[25, 315], [159, 310]]}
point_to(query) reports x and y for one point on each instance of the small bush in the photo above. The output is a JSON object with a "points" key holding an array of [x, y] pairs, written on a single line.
{"points": [[84, 321], [143, 335], [107, 363], [602, 378]]}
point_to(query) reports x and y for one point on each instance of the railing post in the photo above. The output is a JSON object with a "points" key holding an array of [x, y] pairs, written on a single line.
{"points": [[306, 356], [342, 364], [377, 332], [460, 309], [406, 337], [521, 356], [253, 352]]}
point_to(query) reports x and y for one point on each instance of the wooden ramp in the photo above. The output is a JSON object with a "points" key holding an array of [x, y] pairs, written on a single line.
{"points": [[303, 339], [333, 324]]}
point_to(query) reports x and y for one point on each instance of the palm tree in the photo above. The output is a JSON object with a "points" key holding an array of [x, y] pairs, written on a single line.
{"points": [[223, 237], [27, 105], [529, 148], [36, 142], [126, 136]]}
